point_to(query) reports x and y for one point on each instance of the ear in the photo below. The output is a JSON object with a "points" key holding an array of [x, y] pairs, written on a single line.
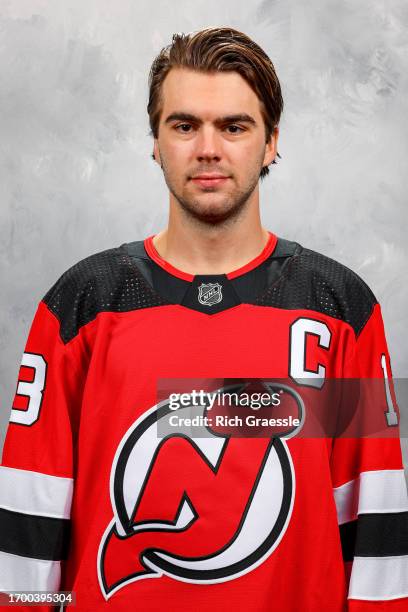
{"points": [[156, 152], [271, 147]]}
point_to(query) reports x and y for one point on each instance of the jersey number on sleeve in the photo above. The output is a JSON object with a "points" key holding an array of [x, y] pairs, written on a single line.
{"points": [[33, 390], [390, 414]]}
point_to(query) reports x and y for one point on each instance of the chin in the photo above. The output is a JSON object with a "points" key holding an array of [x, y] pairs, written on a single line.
{"points": [[213, 214]]}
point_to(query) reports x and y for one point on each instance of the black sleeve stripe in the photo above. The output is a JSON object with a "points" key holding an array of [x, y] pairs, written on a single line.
{"points": [[348, 539], [38, 537], [375, 535]]}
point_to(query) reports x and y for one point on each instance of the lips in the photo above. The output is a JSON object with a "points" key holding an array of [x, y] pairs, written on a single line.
{"points": [[209, 180]]}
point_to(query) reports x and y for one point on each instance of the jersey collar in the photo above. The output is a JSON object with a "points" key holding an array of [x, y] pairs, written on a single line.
{"points": [[264, 254]]}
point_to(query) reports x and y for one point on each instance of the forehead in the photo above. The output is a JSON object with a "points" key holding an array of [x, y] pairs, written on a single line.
{"points": [[207, 94]]}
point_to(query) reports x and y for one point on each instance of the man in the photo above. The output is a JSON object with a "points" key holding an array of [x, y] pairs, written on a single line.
{"points": [[100, 494]]}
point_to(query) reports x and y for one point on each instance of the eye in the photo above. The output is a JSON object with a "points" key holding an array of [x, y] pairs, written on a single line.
{"points": [[184, 128], [235, 127], [183, 125]]}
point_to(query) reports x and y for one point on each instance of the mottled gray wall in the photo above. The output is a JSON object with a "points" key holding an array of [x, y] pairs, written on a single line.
{"points": [[76, 176]]}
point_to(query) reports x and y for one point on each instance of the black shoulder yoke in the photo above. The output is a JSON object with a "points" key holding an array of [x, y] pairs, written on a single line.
{"points": [[316, 282], [105, 281], [126, 278]]}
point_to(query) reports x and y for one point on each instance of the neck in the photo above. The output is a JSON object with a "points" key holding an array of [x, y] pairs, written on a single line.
{"points": [[198, 248]]}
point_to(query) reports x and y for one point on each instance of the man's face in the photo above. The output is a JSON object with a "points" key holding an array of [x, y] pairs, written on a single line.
{"points": [[211, 124]]}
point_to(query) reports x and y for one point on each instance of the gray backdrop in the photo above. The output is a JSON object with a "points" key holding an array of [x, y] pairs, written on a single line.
{"points": [[76, 176]]}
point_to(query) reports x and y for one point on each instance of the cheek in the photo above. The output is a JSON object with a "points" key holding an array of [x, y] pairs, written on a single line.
{"points": [[246, 149], [245, 156], [178, 155]]}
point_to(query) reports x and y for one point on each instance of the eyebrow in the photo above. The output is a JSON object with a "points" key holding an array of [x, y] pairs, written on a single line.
{"points": [[239, 117]]}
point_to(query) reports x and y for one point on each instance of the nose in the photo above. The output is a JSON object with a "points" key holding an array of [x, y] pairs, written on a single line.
{"points": [[208, 144]]}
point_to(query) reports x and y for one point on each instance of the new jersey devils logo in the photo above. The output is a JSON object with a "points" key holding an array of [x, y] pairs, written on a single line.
{"points": [[197, 509]]}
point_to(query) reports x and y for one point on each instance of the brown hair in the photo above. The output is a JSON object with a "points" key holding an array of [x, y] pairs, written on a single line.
{"points": [[224, 50]]}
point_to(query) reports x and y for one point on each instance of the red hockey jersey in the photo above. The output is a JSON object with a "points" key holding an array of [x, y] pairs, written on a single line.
{"points": [[94, 500]]}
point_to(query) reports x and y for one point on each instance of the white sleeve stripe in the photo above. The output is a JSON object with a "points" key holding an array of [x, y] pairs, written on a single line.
{"points": [[379, 491], [379, 578], [35, 493], [26, 574]]}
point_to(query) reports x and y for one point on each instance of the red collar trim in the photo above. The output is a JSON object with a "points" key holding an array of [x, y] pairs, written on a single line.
{"points": [[153, 253]]}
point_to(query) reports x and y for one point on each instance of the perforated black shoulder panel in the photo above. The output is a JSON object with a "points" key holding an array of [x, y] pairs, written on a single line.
{"points": [[105, 281], [122, 279], [316, 282]]}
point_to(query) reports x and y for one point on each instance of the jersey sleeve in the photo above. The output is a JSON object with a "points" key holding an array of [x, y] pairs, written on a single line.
{"points": [[38, 466], [369, 485]]}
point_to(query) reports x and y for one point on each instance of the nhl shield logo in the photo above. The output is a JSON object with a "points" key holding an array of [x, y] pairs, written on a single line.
{"points": [[209, 294]]}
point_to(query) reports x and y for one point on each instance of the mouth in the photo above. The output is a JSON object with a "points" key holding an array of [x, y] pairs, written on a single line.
{"points": [[207, 180]]}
